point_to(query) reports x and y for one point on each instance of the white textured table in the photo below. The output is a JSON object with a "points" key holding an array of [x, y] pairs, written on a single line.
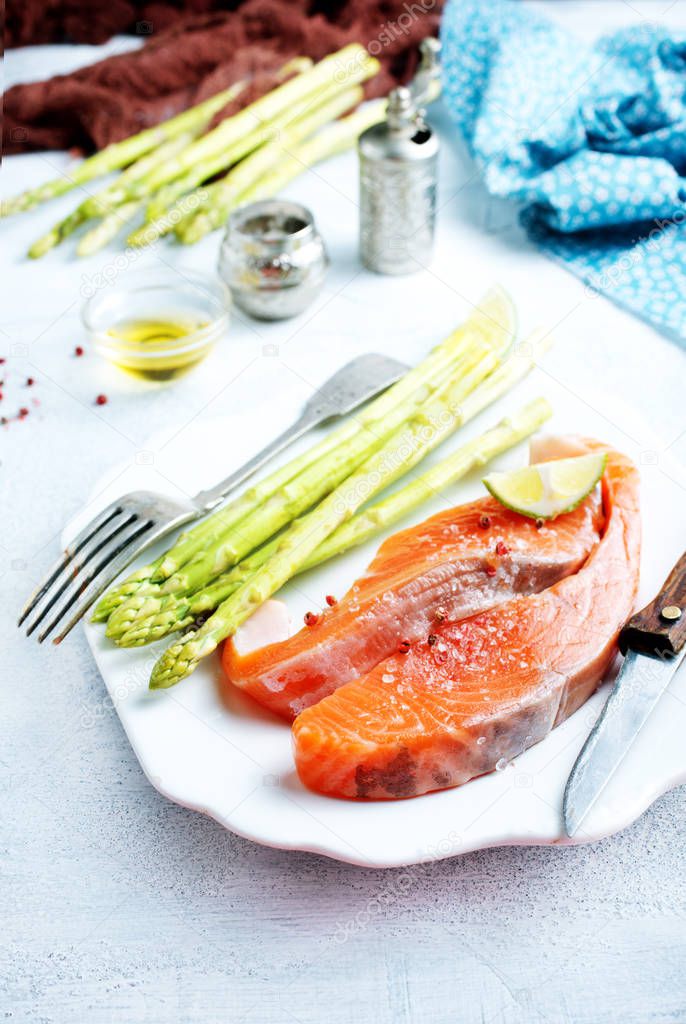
{"points": [[119, 906]]}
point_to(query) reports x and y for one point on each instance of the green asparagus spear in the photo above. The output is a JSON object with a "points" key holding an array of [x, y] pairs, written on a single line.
{"points": [[116, 595], [106, 200], [161, 201], [177, 613], [269, 146], [171, 612], [57, 234], [108, 228], [492, 322], [119, 154]]}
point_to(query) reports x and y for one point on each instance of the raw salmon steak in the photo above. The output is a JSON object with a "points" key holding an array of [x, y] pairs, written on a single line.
{"points": [[455, 564], [485, 688]]}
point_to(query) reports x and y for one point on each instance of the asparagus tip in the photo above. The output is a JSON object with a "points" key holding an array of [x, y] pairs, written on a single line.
{"points": [[148, 628], [182, 658], [41, 247], [172, 667]]}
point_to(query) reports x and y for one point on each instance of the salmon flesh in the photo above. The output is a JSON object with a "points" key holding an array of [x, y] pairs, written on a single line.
{"points": [[480, 689]]}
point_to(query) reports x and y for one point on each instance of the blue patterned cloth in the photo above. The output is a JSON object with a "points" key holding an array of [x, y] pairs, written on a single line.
{"points": [[590, 141]]}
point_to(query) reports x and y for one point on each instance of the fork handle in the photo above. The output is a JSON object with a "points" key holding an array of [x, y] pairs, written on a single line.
{"points": [[208, 499]]}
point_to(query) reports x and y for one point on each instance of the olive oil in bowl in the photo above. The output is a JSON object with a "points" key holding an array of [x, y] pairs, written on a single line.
{"points": [[157, 325], [155, 349]]}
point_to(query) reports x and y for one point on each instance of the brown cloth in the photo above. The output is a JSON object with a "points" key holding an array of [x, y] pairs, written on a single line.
{"points": [[194, 48]]}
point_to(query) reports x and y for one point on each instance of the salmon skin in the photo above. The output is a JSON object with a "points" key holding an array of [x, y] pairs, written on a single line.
{"points": [[455, 564], [489, 686]]}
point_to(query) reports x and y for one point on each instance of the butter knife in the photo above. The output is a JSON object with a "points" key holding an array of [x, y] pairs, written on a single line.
{"points": [[654, 643]]}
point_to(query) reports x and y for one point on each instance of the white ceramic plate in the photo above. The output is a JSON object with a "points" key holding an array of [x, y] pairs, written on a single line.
{"points": [[234, 762]]}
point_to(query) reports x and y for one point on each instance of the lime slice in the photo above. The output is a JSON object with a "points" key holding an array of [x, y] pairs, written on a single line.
{"points": [[493, 321], [547, 489]]}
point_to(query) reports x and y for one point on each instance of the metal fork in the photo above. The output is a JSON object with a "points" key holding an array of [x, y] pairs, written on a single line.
{"points": [[114, 537]]}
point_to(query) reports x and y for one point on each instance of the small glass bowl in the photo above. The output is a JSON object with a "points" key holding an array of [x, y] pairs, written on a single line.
{"points": [[157, 324]]}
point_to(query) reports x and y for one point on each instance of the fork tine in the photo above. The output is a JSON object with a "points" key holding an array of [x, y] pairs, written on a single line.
{"points": [[100, 582], [72, 549], [73, 567], [117, 559]]}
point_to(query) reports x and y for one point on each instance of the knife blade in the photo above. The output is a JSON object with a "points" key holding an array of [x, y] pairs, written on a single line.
{"points": [[654, 644]]}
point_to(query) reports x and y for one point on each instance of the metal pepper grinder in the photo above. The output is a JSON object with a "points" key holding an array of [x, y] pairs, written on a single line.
{"points": [[398, 169]]}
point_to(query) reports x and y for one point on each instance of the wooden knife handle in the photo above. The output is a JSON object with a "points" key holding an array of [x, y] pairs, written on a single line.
{"points": [[660, 627]]}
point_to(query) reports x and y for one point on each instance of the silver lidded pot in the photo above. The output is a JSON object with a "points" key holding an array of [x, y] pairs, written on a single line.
{"points": [[398, 173], [273, 258]]}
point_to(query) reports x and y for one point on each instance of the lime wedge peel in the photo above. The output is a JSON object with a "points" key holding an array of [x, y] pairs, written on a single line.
{"points": [[547, 489]]}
